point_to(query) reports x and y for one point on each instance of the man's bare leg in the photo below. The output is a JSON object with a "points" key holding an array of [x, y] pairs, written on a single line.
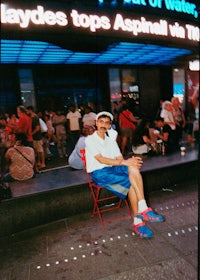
{"points": [[133, 201], [136, 182]]}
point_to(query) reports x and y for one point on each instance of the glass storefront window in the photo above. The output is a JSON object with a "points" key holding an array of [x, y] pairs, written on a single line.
{"points": [[124, 84], [115, 84], [179, 84], [27, 87]]}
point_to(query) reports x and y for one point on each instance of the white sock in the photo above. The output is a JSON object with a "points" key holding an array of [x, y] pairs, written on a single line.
{"points": [[137, 221], [142, 205]]}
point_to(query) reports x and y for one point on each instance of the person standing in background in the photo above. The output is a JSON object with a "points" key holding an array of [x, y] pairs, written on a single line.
{"points": [[127, 124], [23, 125], [37, 138], [74, 124], [51, 137], [59, 122], [10, 135], [179, 117], [89, 117]]}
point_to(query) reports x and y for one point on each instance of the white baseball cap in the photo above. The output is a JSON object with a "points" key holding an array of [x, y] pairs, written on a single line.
{"points": [[104, 113]]}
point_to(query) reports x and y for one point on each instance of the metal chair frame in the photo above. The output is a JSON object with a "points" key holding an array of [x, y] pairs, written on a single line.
{"points": [[115, 203]]}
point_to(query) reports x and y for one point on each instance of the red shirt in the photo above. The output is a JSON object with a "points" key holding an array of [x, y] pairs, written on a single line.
{"points": [[126, 120], [25, 125]]}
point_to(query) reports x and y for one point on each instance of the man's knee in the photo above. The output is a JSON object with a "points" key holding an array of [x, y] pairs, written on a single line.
{"points": [[133, 170]]}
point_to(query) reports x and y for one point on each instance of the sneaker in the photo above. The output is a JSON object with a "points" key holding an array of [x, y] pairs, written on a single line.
{"points": [[142, 230], [149, 216]]}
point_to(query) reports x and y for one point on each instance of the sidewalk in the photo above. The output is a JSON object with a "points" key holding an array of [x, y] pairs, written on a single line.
{"points": [[75, 248]]}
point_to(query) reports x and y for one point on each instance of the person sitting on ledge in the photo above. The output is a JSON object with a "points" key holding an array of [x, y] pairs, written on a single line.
{"points": [[108, 168], [142, 142], [21, 159], [74, 159], [164, 133]]}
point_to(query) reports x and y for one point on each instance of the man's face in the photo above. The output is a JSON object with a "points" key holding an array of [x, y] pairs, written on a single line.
{"points": [[103, 124]]}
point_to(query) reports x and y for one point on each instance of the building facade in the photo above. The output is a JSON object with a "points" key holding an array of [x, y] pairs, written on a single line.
{"points": [[54, 53]]}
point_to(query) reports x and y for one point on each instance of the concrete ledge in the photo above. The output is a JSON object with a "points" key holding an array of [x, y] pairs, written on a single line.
{"points": [[20, 213], [23, 212], [169, 177]]}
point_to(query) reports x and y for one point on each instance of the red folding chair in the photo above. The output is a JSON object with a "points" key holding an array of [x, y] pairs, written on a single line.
{"points": [[105, 201]]}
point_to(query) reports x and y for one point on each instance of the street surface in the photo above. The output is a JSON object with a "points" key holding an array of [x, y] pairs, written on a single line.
{"points": [[76, 248]]}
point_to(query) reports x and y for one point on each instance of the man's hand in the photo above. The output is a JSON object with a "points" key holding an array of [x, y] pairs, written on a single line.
{"points": [[133, 161]]}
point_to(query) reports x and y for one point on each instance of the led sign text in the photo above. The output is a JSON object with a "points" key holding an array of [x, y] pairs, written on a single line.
{"points": [[37, 16], [93, 22], [180, 6], [140, 26]]}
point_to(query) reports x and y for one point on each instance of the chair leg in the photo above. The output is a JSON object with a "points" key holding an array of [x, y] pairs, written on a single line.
{"points": [[95, 197], [99, 212], [96, 209]]}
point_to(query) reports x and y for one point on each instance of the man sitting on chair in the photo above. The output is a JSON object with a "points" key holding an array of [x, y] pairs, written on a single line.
{"points": [[109, 169]]}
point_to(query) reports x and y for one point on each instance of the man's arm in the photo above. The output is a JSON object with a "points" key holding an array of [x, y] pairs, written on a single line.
{"points": [[109, 161], [163, 137], [133, 161], [37, 128]]}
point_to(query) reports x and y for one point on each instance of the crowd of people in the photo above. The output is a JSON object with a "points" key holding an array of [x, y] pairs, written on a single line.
{"points": [[163, 134], [133, 134], [39, 132]]}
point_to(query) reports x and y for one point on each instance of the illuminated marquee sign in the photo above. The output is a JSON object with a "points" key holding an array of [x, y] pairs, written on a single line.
{"points": [[93, 22], [179, 6]]}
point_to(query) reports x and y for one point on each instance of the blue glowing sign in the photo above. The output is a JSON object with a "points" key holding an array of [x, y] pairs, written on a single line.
{"points": [[123, 53]]}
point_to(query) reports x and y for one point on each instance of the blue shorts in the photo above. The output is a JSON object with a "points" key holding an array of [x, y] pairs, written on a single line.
{"points": [[113, 178]]}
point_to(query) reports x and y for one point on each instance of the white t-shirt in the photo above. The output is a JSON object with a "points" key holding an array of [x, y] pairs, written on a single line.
{"points": [[113, 133], [95, 145], [74, 120]]}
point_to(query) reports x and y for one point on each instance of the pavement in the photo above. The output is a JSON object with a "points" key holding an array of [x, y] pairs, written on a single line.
{"points": [[75, 248]]}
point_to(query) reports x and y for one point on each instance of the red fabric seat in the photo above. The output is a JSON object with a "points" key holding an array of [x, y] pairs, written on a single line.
{"points": [[105, 201]]}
